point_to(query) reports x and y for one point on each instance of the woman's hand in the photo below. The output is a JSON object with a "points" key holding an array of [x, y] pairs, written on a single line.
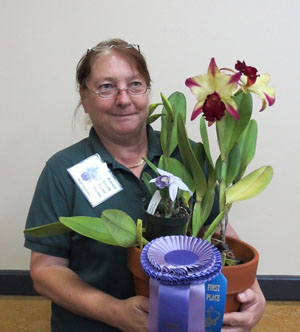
{"points": [[49, 273], [133, 314], [252, 308]]}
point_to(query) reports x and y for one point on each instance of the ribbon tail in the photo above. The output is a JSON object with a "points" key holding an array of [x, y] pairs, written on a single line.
{"points": [[197, 308], [153, 305], [173, 307]]}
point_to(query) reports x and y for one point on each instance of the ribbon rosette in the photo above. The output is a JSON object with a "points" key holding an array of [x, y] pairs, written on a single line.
{"points": [[179, 268]]}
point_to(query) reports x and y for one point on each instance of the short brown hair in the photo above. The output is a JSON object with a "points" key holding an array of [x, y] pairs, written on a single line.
{"points": [[83, 69]]}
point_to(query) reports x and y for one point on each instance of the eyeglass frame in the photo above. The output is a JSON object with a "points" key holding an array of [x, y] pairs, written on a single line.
{"points": [[109, 47], [118, 90]]}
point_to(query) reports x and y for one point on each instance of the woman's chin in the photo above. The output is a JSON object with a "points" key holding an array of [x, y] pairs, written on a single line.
{"points": [[127, 128]]}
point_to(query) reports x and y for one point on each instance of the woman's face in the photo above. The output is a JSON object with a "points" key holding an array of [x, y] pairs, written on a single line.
{"points": [[122, 114]]}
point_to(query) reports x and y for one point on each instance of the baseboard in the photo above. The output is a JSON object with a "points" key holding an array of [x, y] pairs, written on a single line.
{"points": [[16, 282], [280, 288], [275, 287]]}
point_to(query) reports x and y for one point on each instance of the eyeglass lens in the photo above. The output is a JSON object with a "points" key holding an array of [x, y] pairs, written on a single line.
{"points": [[131, 89]]}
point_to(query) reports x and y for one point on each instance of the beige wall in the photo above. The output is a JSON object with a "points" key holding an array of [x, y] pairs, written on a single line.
{"points": [[41, 43]]}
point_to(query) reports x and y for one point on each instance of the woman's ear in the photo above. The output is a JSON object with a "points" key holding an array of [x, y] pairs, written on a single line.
{"points": [[83, 93]]}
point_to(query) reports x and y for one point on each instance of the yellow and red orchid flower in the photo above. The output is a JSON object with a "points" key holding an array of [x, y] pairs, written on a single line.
{"points": [[214, 92], [250, 72], [256, 83]]}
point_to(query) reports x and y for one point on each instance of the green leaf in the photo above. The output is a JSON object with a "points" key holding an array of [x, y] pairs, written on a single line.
{"points": [[214, 226], [190, 160], [178, 169], [173, 105], [221, 135], [114, 227], [91, 227], [151, 165], [139, 231], [196, 219], [167, 105], [218, 168], [247, 146], [205, 140], [146, 177], [207, 204], [234, 128], [55, 228], [185, 197], [152, 108], [178, 102], [166, 123], [199, 152], [233, 164], [121, 226], [153, 118], [250, 186], [209, 197], [163, 163], [229, 129]]}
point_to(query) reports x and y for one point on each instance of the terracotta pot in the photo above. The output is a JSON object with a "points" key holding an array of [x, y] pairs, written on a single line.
{"points": [[141, 281], [239, 277]]}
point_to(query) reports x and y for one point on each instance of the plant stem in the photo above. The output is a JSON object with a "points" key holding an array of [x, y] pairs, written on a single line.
{"points": [[224, 223], [222, 200]]}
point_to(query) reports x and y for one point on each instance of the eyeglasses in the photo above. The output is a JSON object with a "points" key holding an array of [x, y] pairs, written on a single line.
{"points": [[110, 91], [108, 47]]}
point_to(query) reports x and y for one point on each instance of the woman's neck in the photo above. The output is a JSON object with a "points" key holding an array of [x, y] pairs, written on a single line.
{"points": [[128, 149]]}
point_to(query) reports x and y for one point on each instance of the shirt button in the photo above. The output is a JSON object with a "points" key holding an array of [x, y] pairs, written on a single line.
{"points": [[143, 199]]}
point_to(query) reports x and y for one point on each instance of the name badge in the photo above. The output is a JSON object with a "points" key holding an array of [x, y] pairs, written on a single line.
{"points": [[95, 179]]}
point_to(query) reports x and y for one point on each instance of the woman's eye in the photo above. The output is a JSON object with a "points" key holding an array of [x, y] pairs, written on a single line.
{"points": [[136, 83], [106, 86]]}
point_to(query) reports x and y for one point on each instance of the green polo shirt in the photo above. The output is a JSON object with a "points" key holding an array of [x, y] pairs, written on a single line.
{"points": [[100, 265]]}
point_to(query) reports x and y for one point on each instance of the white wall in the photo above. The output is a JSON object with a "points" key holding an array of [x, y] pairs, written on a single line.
{"points": [[41, 43]]}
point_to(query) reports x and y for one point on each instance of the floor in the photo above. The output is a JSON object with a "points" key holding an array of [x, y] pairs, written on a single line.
{"points": [[31, 314]]}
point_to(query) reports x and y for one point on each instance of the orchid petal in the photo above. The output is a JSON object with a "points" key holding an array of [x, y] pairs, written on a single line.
{"points": [[231, 107], [191, 82], [212, 68], [173, 188], [234, 78], [201, 86], [266, 93], [162, 172], [226, 85], [197, 110], [182, 186], [270, 99], [263, 105]]}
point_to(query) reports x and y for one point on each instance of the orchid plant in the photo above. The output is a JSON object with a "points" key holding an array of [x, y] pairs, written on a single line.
{"points": [[224, 99], [167, 197]]}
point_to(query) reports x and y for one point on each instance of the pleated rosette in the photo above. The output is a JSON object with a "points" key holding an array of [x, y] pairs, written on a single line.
{"points": [[180, 268], [178, 259]]}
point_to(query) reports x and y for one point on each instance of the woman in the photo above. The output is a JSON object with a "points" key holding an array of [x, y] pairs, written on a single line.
{"points": [[88, 282]]}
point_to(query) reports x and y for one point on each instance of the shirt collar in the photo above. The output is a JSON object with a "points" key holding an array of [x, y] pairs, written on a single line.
{"points": [[154, 148]]}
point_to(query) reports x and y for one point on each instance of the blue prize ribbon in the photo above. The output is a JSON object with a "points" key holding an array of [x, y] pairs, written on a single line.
{"points": [[186, 287], [215, 299], [173, 308], [197, 308]]}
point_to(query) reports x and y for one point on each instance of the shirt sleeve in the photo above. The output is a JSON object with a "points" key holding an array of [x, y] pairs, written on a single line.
{"points": [[48, 204]]}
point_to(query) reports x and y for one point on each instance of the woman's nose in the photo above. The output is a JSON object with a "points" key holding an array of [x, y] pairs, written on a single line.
{"points": [[123, 98]]}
